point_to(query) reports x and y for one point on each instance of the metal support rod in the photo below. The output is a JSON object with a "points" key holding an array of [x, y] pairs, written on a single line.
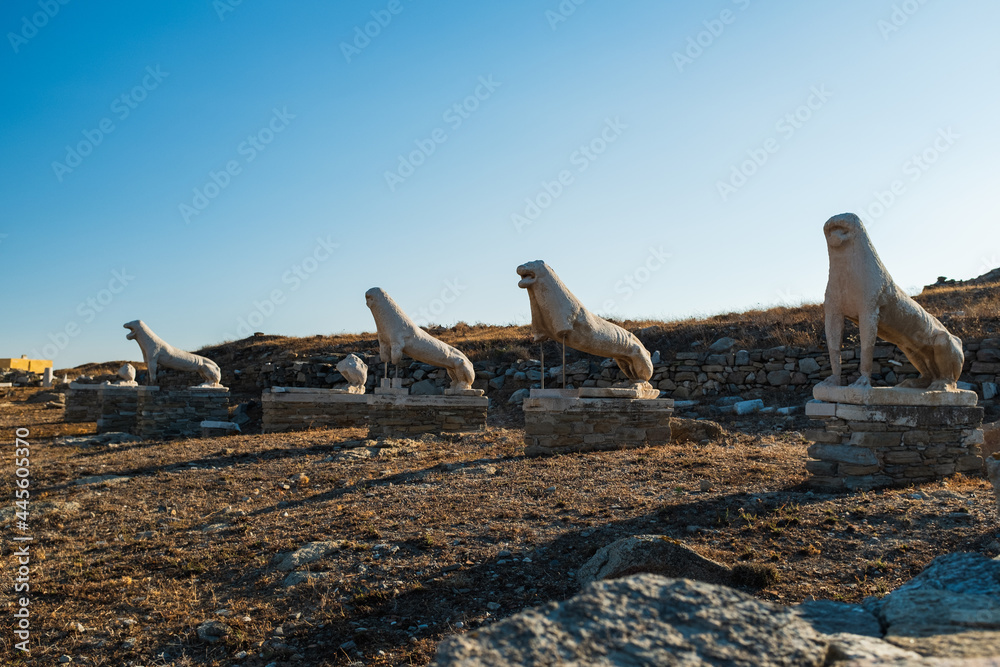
{"points": [[564, 363], [542, 348]]}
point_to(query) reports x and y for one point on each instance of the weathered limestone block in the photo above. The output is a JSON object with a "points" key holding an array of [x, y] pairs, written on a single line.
{"points": [[560, 424], [83, 403], [119, 408], [863, 447], [165, 414]]}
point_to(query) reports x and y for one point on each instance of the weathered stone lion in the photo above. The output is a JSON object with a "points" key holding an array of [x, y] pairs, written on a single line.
{"points": [[557, 315], [399, 336], [860, 289], [158, 353], [355, 371], [127, 375]]}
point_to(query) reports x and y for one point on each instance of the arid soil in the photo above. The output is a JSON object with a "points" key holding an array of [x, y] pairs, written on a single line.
{"points": [[433, 536]]}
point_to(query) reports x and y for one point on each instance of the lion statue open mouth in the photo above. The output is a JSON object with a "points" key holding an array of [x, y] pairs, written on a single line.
{"points": [[559, 316], [861, 290], [157, 353]]}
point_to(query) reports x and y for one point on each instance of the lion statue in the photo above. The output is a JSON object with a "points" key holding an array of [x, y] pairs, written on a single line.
{"points": [[557, 315], [399, 336], [860, 289], [158, 353]]}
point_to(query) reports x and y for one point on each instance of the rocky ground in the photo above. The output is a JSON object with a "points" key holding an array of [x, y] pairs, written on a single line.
{"points": [[322, 548]]}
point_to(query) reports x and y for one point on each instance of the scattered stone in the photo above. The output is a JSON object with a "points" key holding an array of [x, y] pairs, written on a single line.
{"points": [[64, 659], [212, 631], [102, 480], [748, 407], [296, 578], [694, 430], [679, 622], [307, 554], [47, 397], [300, 479], [654, 554], [214, 528]]}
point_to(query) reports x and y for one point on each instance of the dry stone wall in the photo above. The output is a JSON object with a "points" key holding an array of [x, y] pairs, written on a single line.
{"points": [[164, 414], [118, 409], [83, 403], [687, 374], [865, 447]]}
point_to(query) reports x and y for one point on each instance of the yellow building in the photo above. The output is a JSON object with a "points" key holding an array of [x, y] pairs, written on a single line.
{"points": [[25, 364]]}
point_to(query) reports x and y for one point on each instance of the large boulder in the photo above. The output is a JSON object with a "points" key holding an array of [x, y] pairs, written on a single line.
{"points": [[653, 554], [644, 620], [951, 609]]}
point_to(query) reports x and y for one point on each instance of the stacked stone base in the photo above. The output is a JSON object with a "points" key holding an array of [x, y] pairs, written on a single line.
{"points": [[384, 415], [861, 447], [300, 409], [558, 425], [119, 407], [394, 416], [83, 402], [166, 414]]}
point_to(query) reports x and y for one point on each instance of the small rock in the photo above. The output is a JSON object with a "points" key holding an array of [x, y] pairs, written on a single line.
{"points": [[748, 407], [301, 479], [722, 345], [517, 398], [425, 388], [492, 606], [63, 659], [705, 486], [212, 631], [655, 554]]}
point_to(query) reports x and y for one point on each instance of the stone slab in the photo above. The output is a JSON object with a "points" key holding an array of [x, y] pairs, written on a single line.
{"points": [[893, 396], [911, 415], [821, 409], [633, 393]]}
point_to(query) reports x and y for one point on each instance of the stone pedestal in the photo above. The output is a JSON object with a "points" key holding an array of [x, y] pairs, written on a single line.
{"points": [[412, 415], [83, 402], [301, 408], [165, 414], [119, 406], [558, 421], [384, 414], [870, 446]]}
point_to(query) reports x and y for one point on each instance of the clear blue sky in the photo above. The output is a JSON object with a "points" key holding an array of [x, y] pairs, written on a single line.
{"points": [[116, 115]]}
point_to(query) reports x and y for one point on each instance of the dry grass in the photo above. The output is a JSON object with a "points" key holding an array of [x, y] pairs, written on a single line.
{"points": [[424, 527]]}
